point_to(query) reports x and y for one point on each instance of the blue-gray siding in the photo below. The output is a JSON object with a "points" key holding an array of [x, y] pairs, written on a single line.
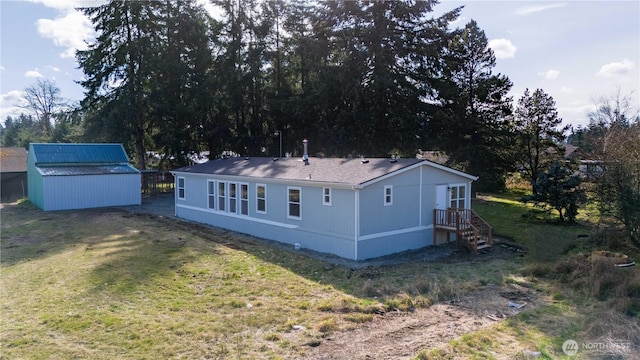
{"points": [[356, 216]]}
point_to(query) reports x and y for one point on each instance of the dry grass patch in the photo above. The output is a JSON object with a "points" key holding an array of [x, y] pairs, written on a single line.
{"points": [[109, 284]]}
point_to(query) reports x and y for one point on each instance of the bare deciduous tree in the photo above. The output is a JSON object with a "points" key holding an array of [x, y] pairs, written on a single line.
{"points": [[43, 98]]}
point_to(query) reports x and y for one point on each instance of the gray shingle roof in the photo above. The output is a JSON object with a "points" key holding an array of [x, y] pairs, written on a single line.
{"points": [[329, 170]]}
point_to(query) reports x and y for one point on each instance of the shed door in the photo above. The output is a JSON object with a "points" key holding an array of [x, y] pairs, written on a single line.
{"points": [[441, 197]]}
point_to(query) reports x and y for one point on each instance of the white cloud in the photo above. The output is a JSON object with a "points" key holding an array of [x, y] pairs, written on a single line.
{"points": [[534, 9], [13, 97], [12, 104], [69, 31], [503, 48], [1, 68], [567, 90], [550, 74], [68, 5], [53, 68], [575, 112], [616, 68], [33, 74], [214, 11]]}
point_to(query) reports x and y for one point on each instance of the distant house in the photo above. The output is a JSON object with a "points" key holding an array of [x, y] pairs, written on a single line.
{"points": [[78, 176], [13, 173], [357, 209]]}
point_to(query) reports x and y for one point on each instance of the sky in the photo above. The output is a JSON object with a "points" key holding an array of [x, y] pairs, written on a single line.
{"points": [[576, 51]]}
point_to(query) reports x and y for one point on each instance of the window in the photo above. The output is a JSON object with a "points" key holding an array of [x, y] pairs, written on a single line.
{"points": [[222, 196], [261, 198], [244, 199], [233, 199], [388, 195], [458, 196], [181, 192], [211, 194], [295, 200], [326, 196]]}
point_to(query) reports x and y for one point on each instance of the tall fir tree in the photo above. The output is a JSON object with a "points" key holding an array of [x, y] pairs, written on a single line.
{"points": [[475, 127], [539, 134], [118, 71]]}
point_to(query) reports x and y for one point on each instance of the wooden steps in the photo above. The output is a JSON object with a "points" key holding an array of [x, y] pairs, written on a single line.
{"points": [[471, 230]]}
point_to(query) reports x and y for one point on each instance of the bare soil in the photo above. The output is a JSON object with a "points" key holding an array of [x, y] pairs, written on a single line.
{"points": [[398, 335]]}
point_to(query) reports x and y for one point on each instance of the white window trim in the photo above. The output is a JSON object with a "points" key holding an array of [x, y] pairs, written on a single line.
{"points": [[289, 188], [224, 197], [231, 199], [241, 199], [324, 196], [184, 188], [258, 211], [384, 198], [466, 195], [209, 195]]}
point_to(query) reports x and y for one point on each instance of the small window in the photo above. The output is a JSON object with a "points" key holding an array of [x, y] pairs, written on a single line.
{"points": [[295, 201], [222, 196], [244, 199], [233, 197], [326, 196], [388, 195], [181, 191], [261, 198], [211, 194]]}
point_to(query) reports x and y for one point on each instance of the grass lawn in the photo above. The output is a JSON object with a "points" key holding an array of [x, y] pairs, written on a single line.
{"points": [[103, 285]]}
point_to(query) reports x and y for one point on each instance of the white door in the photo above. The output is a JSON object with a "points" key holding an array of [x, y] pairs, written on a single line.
{"points": [[441, 197]]}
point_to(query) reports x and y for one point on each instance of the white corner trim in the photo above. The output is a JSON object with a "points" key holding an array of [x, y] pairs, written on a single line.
{"points": [[394, 232]]}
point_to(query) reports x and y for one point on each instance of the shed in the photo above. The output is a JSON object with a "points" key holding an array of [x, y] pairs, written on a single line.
{"points": [[354, 208], [78, 176], [13, 173]]}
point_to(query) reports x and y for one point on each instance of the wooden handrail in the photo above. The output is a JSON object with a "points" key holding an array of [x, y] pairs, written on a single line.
{"points": [[464, 220]]}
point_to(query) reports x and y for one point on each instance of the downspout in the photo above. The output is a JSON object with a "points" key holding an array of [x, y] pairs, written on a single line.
{"points": [[175, 194], [420, 201], [357, 219]]}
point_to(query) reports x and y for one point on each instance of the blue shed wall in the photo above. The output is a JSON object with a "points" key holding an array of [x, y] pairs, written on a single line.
{"points": [[90, 191], [34, 181]]}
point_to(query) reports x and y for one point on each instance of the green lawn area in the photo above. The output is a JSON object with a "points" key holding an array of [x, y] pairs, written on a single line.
{"points": [[109, 284]]}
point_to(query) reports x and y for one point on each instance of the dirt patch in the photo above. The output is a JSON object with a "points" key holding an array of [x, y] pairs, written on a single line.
{"points": [[401, 335]]}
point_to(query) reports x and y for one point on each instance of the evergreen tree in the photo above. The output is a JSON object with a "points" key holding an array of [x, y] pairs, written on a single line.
{"points": [[387, 49], [559, 188], [476, 128], [118, 70], [21, 131], [539, 135], [180, 98]]}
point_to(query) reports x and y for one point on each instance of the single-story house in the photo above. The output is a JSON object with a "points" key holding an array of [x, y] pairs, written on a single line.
{"points": [[354, 208], [13, 173], [78, 176]]}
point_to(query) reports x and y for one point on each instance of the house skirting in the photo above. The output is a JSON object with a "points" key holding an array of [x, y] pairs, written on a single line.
{"points": [[368, 246]]}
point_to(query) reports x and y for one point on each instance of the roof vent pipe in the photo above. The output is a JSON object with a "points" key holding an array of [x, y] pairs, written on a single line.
{"points": [[305, 155]]}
